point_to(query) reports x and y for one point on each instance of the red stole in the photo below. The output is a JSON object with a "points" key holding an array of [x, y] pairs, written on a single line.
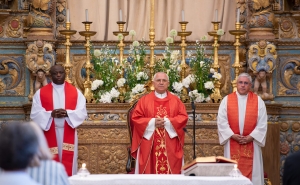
{"points": [[46, 96], [159, 159], [243, 154]]}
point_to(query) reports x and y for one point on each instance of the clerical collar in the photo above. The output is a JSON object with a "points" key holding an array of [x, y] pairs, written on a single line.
{"points": [[160, 96], [242, 95], [58, 85]]}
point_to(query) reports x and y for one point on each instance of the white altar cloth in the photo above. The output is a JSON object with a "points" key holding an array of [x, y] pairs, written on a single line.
{"points": [[131, 179]]}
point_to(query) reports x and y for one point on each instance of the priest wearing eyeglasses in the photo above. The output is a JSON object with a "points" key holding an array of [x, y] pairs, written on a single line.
{"points": [[158, 136], [242, 128]]}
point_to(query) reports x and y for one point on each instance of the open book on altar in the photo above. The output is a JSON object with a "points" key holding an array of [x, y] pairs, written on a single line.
{"points": [[210, 159]]}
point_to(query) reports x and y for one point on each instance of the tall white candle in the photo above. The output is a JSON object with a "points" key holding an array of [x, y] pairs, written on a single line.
{"points": [[238, 16], [182, 15], [86, 15], [120, 14], [68, 15], [216, 15]]}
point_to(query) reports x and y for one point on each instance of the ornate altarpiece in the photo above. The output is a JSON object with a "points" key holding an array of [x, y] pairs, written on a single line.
{"points": [[29, 36]]}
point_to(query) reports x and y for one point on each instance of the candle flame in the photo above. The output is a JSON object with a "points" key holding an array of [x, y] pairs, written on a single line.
{"points": [[83, 165]]}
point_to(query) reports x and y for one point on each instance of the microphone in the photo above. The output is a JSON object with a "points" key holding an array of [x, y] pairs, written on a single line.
{"points": [[194, 143], [193, 105]]}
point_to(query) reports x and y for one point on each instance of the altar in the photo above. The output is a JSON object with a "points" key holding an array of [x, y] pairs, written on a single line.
{"points": [[121, 179]]}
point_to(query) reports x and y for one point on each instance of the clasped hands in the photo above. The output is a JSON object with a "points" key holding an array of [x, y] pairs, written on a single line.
{"points": [[59, 113], [242, 140], [159, 122]]}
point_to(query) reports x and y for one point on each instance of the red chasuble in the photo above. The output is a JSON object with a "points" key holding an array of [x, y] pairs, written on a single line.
{"points": [[160, 154], [243, 154], [46, 96]]}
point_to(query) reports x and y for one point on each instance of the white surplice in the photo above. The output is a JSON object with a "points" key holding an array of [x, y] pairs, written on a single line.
{"points": [[75, 117], [259, 133]]}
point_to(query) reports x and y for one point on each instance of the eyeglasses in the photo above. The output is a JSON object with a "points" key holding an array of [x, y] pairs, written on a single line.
{"points": [[245, 83], [161, 80]]}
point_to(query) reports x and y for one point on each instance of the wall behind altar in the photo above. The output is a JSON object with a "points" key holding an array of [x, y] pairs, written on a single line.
{"points": [[136, 13], [277, 22]]}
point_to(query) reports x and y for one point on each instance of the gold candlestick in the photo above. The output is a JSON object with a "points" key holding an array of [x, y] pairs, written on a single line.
{"points": [[183, 34], [237, 33], [216, 95], [88, 94], [121, 45], [68, 65], [149, 84]]}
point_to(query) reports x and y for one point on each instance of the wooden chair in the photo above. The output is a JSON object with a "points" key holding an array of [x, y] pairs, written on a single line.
{"points": [[130, 165]]}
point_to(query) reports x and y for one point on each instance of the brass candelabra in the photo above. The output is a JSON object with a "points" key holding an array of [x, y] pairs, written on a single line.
{"points": [[237, 33], [149, 86], [183, 34], [121, 45], [216, 95], [88, 94], [68, 65]]}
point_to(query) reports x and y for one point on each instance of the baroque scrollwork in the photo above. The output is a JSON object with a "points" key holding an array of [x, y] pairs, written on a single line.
{"points": [[11, 76], [40, 14], [13, 29], [60, 17], [262, 61], [290, 77], [39, 57]]}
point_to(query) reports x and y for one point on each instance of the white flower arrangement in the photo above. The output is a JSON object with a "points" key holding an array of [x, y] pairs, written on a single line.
{"points": [[169, 40], [220, 32], [209, 85], [135, 43], [120, 37], [173, 33], [114, 93], [177, 86], [97, 52], [132, 33], [139, 88], [142, 76], [96, 84], [121, 82]]}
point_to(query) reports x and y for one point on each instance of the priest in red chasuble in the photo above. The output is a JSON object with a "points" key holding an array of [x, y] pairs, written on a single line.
{"points": [[59, 108], [242, 128], [158, 137]]}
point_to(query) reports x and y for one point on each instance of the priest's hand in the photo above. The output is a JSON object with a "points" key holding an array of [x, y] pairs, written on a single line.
{"points": [[59, 113], [159, 122], [237, 138], [246, 139]]}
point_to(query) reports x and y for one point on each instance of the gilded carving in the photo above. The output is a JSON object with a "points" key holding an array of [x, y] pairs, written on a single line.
{"points": [[112, 158], [287, 28], [262, 61], [13, 28], [281, 89], [284, 126], [11, 76], [290, 77], [225, 81], [296, 127], [78, 70], [60, 17], [209, 117], [261, 19], [39, 57]]}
